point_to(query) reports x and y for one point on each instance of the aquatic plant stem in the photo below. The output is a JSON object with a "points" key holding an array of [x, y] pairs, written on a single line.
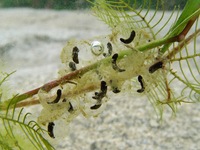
{"points": [[178, 48], [75, 74], [168, 40], [52, 84], [72, 75]]}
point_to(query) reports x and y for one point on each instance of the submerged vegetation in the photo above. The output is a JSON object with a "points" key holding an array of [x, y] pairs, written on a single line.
{"points": [[94, 68]]}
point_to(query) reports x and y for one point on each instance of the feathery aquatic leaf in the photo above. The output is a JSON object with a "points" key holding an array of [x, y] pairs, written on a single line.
{"points": [[118, 13], [17, 132]]}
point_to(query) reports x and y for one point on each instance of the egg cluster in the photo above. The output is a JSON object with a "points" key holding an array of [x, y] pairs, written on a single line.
{"points": [[119, 63]]}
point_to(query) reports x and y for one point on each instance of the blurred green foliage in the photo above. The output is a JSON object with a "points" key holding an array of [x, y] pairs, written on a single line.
{"points": [[51, 4], [77, 4]]}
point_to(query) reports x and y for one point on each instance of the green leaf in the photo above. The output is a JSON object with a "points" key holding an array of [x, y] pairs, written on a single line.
{"points": [[190, 11]]}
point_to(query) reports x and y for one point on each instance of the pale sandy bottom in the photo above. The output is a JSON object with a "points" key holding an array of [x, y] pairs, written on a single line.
{"points": [[31, 42]]}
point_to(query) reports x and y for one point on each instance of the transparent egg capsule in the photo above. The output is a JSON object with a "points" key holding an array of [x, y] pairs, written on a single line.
{"points": [[97, 48]]}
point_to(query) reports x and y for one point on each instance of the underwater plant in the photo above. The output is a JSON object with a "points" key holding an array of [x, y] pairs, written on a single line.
{"points": [[94, 68]]}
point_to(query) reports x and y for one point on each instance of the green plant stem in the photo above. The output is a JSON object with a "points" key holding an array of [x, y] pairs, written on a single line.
{"points": [[73, 75], [178, 48], [167, 41], [50, 85]]}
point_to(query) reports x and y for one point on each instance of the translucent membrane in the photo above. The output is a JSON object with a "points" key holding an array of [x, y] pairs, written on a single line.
{"points": [[83, 95]]}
